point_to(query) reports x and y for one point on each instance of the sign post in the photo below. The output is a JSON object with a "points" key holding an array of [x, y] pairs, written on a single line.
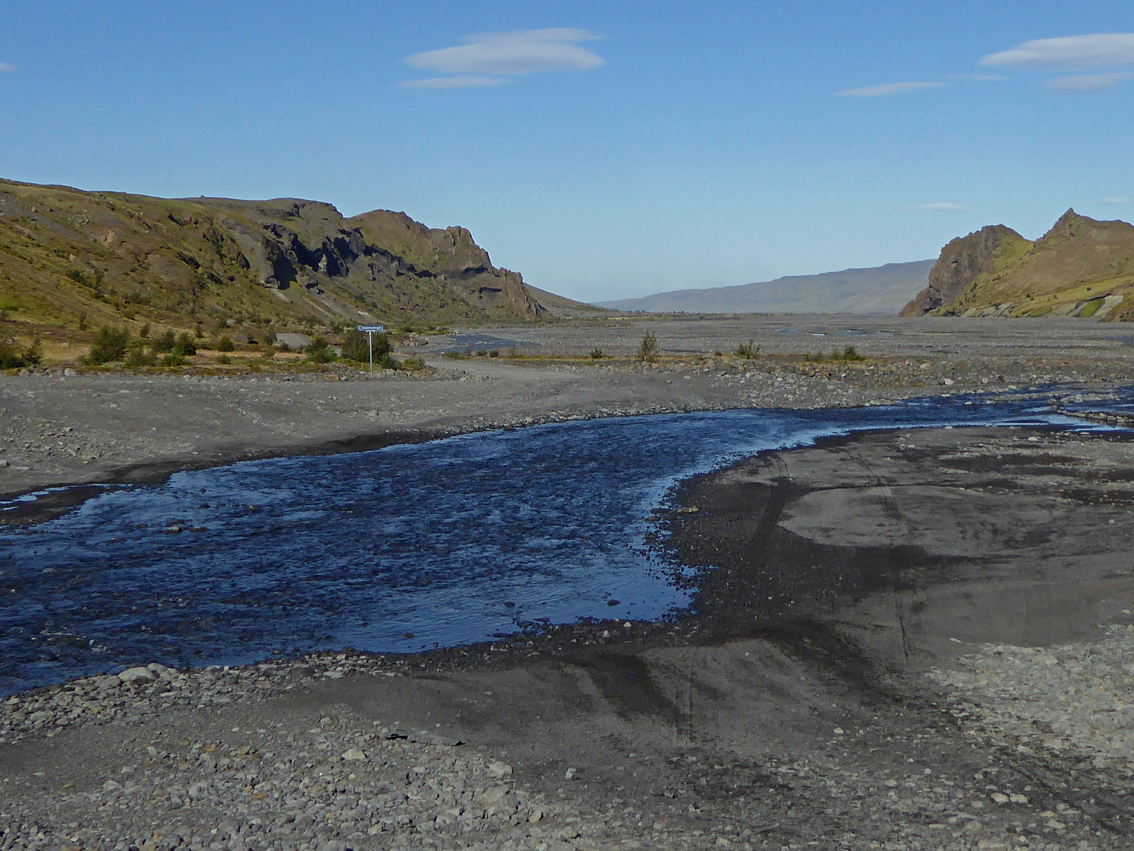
{"points": [[370, 331]]}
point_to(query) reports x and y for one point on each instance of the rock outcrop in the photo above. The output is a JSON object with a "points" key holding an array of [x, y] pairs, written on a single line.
{"points": [[1081, 267], [961, 262]]}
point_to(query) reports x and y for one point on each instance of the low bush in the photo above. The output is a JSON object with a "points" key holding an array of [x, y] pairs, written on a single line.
{"points": [[748, 351], [225, 344], [13, 357], [109, 346], [186, 345], [138, 356], [357, 348], [320, 351], [596, 354], [165, 342], [647, 347]]}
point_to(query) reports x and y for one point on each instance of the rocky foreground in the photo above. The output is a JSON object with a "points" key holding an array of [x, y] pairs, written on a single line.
{"points": [[947, 663]]}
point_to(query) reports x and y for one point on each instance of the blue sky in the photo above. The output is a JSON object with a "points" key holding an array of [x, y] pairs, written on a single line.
{"points": [[603, 150]]}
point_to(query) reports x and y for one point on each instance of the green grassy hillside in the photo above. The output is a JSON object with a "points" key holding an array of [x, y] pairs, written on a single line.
{"points": [[70, 258], [1081, 267]]}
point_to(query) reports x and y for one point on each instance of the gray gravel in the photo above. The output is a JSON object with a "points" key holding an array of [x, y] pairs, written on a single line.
{"points": [[1008, 747]]}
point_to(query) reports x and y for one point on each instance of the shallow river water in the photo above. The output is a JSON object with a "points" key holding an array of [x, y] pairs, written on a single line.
{"points": [[398, 549]]}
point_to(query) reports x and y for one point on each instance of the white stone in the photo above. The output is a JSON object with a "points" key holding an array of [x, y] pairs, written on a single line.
{"points": [[131, 675]]}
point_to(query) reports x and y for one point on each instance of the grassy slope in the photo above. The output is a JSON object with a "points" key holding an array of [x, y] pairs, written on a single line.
{"points": [[1068, 271], [111, 258]]}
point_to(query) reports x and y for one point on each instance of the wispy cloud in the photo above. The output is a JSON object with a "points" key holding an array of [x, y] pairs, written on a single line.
{"points": [[1111, 201], [940, 207], [1072, 53], [888, 89], [6, 68], [500, 55], [1083, 83], [978, 78], [461, 82]]}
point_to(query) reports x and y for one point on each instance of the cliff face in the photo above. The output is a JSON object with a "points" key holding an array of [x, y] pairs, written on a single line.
{"points": [[961, 262], [1081, 267], [64, 253]]}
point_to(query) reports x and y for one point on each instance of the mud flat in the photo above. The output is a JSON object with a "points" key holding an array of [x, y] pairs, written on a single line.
{"points": [[912, 640]]}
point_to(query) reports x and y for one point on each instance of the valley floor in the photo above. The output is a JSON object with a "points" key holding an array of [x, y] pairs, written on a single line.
{"points": [[947, 661]]}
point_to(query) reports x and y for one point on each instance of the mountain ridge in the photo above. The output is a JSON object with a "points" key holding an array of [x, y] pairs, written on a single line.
{"points": [[879, 289]]}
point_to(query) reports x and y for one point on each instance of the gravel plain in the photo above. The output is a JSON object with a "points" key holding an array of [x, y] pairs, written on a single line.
{"points": [[914, 716]]}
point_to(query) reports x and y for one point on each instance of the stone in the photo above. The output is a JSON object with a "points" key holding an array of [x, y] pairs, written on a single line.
{"points": [[138, 674], [499, 769], [354, 755]]}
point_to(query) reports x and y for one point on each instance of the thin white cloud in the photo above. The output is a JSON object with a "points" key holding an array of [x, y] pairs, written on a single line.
{"points": [[461, 82], [978, 78], [513, 53], [1078, 52], [940, 207], [6, 68], [1111, 201], [888, 89], [1085, 83]]}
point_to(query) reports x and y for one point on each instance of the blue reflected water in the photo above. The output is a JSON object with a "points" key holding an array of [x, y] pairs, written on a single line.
{"points": [[392, 550]]}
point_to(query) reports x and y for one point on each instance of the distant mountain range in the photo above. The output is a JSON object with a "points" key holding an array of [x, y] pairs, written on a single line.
{"points": [[1081, 267], [883, 289]]}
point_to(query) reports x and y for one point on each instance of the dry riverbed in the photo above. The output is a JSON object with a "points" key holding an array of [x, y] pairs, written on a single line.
{"points": [[912, 640]]}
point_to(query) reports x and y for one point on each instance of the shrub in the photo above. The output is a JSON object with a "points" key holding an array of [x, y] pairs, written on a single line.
{"points": [[186, 345], [748, 351], [145, 332], [596, 353], [413, 363], [319, 351], [110, 345], [138, 356], [225, 344], [165, 342], [647, 347], [268, 352], [224, 359], [357, 348], [849, 354], [12, 356], [174, 358], [83, 321]]}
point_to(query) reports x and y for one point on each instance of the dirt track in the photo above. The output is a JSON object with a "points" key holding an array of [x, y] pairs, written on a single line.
{"points": [[936, 596]]}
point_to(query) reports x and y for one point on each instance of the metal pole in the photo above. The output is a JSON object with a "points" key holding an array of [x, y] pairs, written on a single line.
{"points": [[370, 339]]}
